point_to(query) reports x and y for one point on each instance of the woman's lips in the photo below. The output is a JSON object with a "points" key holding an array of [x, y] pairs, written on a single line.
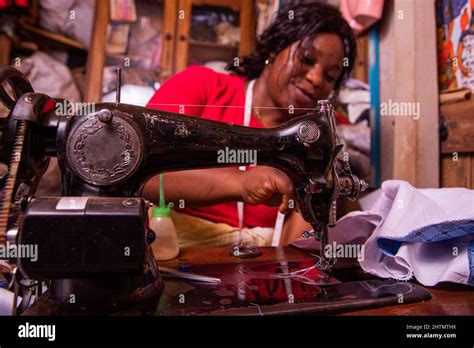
{"points": [[305, 97]]}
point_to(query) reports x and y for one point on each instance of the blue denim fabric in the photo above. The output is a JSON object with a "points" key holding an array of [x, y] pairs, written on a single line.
{"points": [[470, 256]]}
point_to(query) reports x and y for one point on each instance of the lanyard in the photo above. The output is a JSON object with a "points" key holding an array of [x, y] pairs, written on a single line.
{"points": [[240, 205]]}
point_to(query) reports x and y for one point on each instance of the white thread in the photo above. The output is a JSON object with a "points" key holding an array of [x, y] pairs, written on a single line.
{"points": [[300, 275], [233, 106], [258, 307]]}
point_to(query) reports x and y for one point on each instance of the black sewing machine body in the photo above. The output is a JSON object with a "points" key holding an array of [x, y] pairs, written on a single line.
{"points": [[106, 158]]}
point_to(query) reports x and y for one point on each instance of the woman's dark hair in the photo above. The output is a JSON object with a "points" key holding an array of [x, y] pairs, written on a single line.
{"points": [[305, 22]]}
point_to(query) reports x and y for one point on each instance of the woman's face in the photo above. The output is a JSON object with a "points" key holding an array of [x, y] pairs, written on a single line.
{"points": [[300, 75]]}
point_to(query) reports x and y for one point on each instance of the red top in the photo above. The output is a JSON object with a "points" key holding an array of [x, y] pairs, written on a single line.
{"points": [[202, 92]]}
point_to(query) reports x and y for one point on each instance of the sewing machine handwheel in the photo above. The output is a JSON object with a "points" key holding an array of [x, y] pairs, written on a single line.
{"points": [[13, 84], [18, 84]]}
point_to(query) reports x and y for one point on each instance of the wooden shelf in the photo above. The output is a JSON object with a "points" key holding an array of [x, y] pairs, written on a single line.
{"points": [[5, 46], [234, 4], [58, 39], [204, 51], [460, 127], [210, 44]]}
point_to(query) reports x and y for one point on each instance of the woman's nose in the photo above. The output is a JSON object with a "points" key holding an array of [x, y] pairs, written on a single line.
{"points": [[314, 75]]}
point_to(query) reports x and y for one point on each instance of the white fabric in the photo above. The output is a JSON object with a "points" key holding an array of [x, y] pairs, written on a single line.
{"points": [[49, 76], [73, 18], [132, 94], [357, 102], [396, 216], [6, 301]]}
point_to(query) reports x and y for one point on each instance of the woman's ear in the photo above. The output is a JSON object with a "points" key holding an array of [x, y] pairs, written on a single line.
{"points": [[270, 59]]}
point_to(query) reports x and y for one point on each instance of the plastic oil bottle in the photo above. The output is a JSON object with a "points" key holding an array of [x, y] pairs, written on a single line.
{"points": [[166, 244]]}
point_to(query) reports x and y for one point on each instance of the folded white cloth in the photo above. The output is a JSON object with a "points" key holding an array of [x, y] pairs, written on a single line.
{"points": [[6, 301], [425, 233]]}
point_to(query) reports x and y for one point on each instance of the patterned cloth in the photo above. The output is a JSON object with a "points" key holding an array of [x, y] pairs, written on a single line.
{"points": [[423, 233]]}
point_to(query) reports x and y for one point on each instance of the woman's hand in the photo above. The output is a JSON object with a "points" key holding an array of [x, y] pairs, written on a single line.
{"points": [[204, 187], [266, 185]]}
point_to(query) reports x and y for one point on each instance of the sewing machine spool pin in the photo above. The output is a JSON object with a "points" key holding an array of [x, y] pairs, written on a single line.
{"points": [[118, 85]]}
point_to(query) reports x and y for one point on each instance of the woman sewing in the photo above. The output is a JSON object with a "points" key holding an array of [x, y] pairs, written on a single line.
{"points": [[302, 57]]}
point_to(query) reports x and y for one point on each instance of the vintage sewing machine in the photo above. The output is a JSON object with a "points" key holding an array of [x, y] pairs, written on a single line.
{"points": [[93, 241]]}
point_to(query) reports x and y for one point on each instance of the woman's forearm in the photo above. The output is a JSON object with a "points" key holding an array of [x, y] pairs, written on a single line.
{"points": [[197, 187]]}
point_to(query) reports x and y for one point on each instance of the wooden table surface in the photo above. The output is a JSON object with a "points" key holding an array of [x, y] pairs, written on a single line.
{"points": [[449, 299]]}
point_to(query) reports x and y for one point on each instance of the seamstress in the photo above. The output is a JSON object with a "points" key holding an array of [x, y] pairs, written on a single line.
{"points": [[302, 57]]}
